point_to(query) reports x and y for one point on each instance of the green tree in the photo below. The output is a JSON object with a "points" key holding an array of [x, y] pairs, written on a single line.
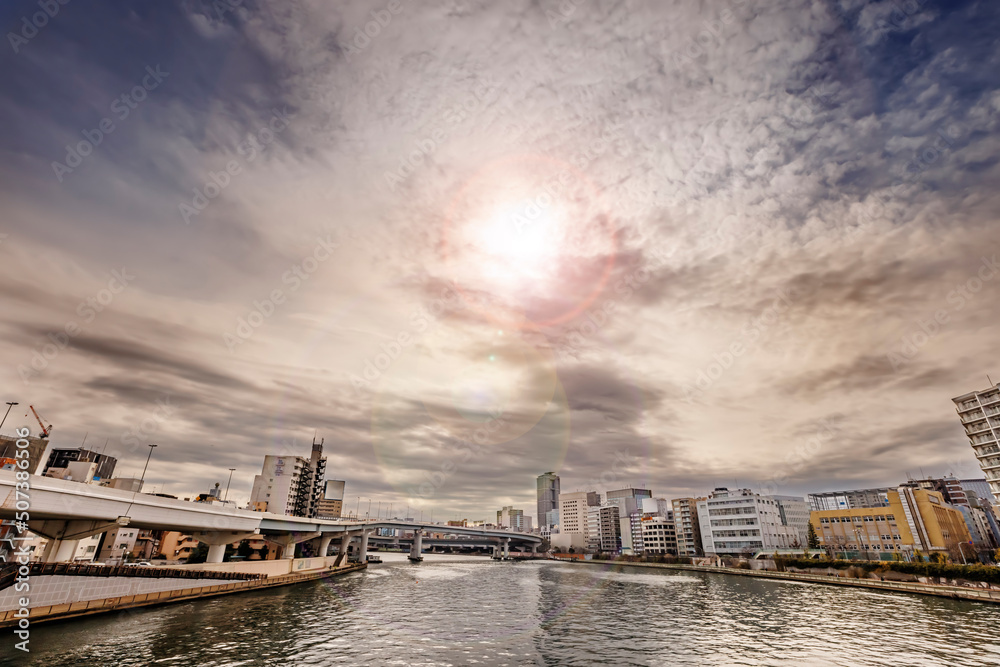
{"points": [[244, 550], [813, 539], [199, 554]]}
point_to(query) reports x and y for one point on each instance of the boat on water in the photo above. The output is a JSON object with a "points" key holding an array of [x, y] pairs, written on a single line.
{"points": [[373, 558], [415, 559]]}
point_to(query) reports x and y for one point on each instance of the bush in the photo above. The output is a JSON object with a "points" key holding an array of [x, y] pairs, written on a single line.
{"points": [[986, 573]]}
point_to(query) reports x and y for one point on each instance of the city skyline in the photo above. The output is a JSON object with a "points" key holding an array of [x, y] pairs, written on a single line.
{"points": [[720, 234]]}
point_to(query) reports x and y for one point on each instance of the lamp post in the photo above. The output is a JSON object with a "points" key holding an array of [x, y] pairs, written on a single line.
{"points": [[369, 510], [10, 404], [148, 456], [226, 497], [357, 509], [961, 550]]}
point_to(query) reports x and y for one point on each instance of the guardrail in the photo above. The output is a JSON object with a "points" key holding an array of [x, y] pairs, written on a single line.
{"points": [[10, 571]]}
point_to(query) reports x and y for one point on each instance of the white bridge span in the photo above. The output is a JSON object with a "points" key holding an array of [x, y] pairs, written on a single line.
{"points": [[66, 512]]}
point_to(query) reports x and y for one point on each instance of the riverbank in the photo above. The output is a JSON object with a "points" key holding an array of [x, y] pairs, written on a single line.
{"points": [[938, 590], [58, 597]]}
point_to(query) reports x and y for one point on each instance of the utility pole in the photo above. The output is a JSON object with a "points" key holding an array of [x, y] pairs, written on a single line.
{"points": [[226, 497]]}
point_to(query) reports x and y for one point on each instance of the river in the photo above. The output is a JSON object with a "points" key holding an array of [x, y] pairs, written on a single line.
{"points": [[463, 610]]}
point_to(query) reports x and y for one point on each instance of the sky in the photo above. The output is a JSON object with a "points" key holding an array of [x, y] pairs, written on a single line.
{"points": [[677, 245]]}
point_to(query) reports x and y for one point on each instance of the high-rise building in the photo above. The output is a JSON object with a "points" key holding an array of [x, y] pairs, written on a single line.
{"points": [[511, 519], [628, 500], [604, 528], [688, 530], [290, 485], [979, 412], [741, 521], [573, 510], [843, 500], [61, 458], [980, 487], [547, 489]]}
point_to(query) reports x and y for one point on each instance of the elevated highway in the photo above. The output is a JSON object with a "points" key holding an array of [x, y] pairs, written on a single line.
{"points": [[66, 512]]}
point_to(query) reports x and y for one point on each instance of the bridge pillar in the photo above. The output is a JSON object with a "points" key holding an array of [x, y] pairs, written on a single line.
{"points": [[58, 551], [345, 542], [363, 549], [216, 553], [324, 544], [418, 544], [506, 547]]}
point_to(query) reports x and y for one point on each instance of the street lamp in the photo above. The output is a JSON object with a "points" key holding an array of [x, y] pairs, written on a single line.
{"points": [[231, 470], [369, 511], [148, 456], [357, 509], [961, 550], [10, 404]]}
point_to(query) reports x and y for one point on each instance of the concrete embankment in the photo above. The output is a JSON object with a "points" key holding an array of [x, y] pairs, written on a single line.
{"points": [[57, 597], [955, 592]]}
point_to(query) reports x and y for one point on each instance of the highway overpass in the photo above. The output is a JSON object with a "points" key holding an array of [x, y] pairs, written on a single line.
{"points": [[65, 512]]}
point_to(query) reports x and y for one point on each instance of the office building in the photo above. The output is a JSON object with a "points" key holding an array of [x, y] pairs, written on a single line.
{"points": [[116, 543], [573, 510], [61, 458], [794, 513], [547, 491], [687, 528], [842, 500], [604, 528], [659, 535], [511, 519], [979, 412], [290, 485], [980, 487], [915, 520], [741, 522]]}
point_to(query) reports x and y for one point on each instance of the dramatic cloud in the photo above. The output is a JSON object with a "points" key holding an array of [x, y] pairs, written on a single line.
{"points": [[686, 237]]}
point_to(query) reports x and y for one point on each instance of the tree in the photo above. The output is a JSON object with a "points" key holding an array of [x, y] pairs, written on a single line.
{"points": [[813, 538], [199, 554], [244, 550], [264, 550]]}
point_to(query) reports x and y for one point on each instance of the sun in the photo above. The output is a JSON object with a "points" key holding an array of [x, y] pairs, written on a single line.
{"points": [[520, 239]]}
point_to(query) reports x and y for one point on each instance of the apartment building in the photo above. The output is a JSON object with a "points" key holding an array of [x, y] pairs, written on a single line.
{"points": [[290, 485], [687, 528], [979, 412], [735, 522]]}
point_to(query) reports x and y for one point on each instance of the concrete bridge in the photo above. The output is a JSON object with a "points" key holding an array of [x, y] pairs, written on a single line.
{"points": [[66, 512]]}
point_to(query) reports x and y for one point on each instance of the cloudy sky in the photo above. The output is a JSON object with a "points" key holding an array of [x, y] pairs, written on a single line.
{"points": [[678, 244]]}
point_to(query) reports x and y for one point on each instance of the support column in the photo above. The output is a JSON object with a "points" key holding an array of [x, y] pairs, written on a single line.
{"points": [[324, 545], [418, 544], [496, 551], [345, 543], [506, 547], [216, 553], [363, 551], [65, 550]]}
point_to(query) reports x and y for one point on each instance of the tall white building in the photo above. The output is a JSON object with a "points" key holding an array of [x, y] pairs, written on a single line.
{"points": [[659, 535], [794, 512], [290, 485], [738, 521], [573, 510], [979, 412]]}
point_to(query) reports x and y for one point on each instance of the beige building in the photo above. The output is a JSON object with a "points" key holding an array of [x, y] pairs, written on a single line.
{"points": [[916, 520], [573, 511]]}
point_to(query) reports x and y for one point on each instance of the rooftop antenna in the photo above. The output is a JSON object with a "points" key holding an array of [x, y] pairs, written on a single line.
{"points": [[105, 446], [988, 378], [84, 439]]}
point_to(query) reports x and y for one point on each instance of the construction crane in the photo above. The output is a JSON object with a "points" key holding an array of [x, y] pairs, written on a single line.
{"points": [[45, 431]]}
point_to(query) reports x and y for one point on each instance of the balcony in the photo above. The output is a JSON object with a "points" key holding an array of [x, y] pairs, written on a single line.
{"points": [[977, 427], [972, 416]]}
